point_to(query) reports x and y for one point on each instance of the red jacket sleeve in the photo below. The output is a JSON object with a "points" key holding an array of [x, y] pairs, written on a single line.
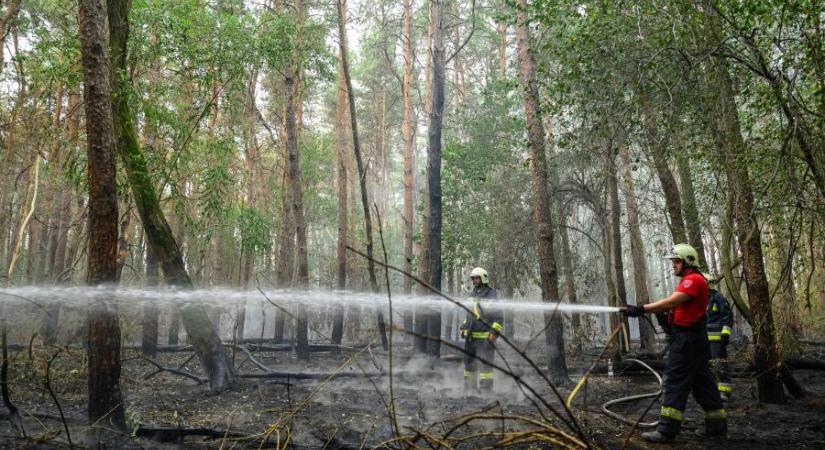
{"points": [[688, 286]]}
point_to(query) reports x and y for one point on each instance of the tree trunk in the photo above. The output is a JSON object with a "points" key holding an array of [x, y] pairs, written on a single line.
{"points": [[726, 258], [12, 9], [421, 312], [789, 327], [71, 133], [123, 242], [570, 282], [343, 151], [612, 297], [297, 200], [149, 341], [502, 50], [566, 256], [356, 146], [408, 126], [613, 218], [554, 335], [57, 249], [767, 360], [105, 398], [647, 335], [689, 208], [202, 333], [434, 171], [666, 178], [59, 188], [286, 253]]}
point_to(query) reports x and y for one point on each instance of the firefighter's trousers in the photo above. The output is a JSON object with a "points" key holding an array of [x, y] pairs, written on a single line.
{"points": [[719, 364], [687, 370], [478, 374]]}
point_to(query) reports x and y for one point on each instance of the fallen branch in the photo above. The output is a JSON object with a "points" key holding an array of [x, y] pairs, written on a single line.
{"points": [[177, 435], [288, 347], [252, 359], [172, 370], [805, 363]]}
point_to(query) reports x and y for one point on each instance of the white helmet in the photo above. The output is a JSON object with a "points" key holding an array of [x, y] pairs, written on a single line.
{"points": [[481, 273]]}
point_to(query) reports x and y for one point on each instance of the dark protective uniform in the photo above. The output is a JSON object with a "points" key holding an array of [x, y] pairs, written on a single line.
{"points": [[476, 329], [687, 369], [720, 326]]}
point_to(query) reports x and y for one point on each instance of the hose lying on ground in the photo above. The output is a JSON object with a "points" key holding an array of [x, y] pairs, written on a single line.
{"points": [[633, 398]]}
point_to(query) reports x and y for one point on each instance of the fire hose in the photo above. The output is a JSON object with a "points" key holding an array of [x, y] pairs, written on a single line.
{"points": [[605, 406], [631, 398]]}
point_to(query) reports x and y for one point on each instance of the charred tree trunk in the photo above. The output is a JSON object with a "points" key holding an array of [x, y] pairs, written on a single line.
{"points": [[356, 146], [343, 151], [421, 312], [105, 398], [554, 335], [434, 171], [201, 331], [297, 200]]}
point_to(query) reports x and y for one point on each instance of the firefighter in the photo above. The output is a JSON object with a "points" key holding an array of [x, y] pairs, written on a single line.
{"points": [[480, 331], [720, 326], [687, 369]]}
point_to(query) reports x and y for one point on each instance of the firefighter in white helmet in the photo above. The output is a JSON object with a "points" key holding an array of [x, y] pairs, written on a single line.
{"points": [[480, 331]]}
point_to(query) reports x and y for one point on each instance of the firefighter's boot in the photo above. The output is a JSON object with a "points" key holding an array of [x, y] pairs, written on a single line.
{"points": [[716, 424], [485, 382], [469, 382], [670, 422], [657, 436]]}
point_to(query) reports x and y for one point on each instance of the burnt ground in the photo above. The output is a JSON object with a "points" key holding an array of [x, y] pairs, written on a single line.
{"points": [[348, 411]]}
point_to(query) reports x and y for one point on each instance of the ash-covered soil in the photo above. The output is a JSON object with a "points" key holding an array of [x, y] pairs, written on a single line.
{"points": [[351, 411]]}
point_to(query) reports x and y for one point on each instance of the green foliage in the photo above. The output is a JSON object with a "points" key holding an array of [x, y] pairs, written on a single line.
{"points": [[255, 230], [481, 207]]}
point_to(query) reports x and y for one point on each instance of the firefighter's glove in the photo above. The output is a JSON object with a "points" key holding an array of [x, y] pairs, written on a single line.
{"points": [[492, 338], [725, 339], [463, 333], [632, 310]]}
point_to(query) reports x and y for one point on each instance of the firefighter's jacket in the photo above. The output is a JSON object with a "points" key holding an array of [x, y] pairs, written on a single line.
{"points": [[719, 316], [485, 317]]}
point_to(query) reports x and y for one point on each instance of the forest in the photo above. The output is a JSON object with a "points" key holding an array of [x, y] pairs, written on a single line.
{"points": [[262, 223]]}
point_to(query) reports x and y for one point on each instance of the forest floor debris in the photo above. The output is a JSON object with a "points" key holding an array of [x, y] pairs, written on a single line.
{"points": [[349, 412]]}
